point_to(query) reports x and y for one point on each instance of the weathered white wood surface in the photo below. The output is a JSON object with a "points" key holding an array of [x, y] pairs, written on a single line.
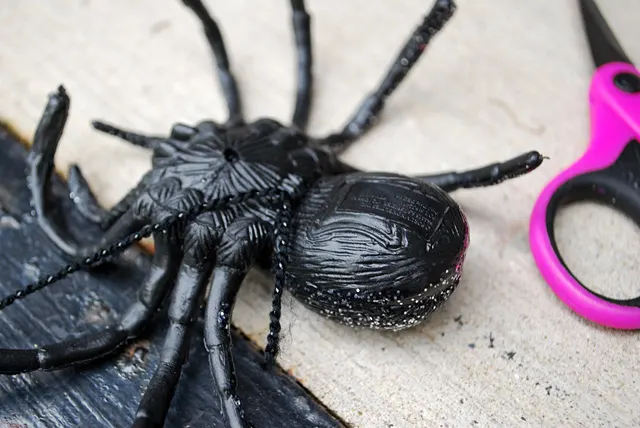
{"points": [[503, 77]]}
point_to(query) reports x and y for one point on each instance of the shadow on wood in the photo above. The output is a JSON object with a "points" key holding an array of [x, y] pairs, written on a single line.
{"points": [[106, 393]]}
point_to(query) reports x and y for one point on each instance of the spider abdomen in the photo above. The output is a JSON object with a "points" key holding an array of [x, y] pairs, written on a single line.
{"points": [[376, 250]]}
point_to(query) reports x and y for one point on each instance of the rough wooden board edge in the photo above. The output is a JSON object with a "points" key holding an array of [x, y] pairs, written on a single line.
{"points": [[106, 393]]}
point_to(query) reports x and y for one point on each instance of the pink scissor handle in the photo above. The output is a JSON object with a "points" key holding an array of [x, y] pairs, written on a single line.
{"points": [[608, 171]]}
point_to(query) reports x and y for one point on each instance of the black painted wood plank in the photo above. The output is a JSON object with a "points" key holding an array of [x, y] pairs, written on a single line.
{"points": [[106, 393]]}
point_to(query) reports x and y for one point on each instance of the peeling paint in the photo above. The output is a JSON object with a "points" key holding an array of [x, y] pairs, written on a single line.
{"points": [[134, 358]]}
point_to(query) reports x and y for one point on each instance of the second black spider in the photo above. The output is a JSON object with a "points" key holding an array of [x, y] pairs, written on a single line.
{"points": [[368, 249]]}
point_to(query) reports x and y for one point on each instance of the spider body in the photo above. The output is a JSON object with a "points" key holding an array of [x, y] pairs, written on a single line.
{"points": [[379, 250], [212, 162], [376, 250]]}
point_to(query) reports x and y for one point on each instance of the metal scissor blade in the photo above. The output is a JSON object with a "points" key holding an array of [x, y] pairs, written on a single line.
{"points": [[605, 47]]}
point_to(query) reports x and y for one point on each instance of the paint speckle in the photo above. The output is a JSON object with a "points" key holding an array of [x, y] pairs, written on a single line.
{"points": [[97, 312], [159, 27], [8, 222], [510, 355], [472, 345], [31, 271], [458, 319], [303, 406], [491, 340]]}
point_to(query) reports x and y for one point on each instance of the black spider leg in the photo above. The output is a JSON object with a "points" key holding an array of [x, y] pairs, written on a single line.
{"points": [[365, 116], [116, 247], [242, 242], [40, 166], [488, 175], [225, 76], [89, 261], [86, 202], [193, 275], [94, 345], [83, 197], [194, 271], [280, 254], [40, 170], [160, 146], [121, 208], [302, 36]]}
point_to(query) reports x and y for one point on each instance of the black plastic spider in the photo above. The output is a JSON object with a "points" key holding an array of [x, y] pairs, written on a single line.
{"points": [[368, 249]]}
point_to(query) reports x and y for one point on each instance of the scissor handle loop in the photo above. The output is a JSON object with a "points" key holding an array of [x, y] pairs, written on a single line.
{"points": [[608, 172], [603, 186]]}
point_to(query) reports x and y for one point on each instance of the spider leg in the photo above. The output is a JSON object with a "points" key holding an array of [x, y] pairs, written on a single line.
{"points": [[487, 175], [365, 115], [145, 204], [97, 344], [225, 76], [41, 166], [202, 239], [83, 197], [224, 289], [160, 146], [40, 163], [192, 278], [128, 223], [302, 34], [238, 249], [86, 202], [123, 205]]}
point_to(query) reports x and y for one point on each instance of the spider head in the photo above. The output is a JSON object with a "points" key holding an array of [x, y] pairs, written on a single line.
{"points": [[265, 126], [278, 135], [183, 132]]}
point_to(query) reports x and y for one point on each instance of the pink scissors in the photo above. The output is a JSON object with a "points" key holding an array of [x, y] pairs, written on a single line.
{"points": [[608, 172]]}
